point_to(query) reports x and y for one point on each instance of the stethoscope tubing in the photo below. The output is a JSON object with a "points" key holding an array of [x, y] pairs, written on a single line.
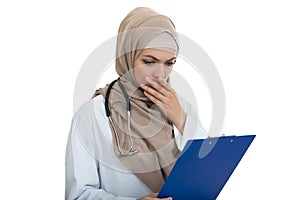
{"points": [[130, 150]]}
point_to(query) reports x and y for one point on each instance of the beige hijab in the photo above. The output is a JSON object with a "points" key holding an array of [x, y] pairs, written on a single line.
{"points": [[152, 133]]}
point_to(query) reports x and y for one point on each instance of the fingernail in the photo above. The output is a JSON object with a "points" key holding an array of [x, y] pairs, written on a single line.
{"points": [[142, 85]]}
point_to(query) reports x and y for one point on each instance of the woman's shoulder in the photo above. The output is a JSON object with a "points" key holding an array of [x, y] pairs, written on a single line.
{"points": [[91, 108]]}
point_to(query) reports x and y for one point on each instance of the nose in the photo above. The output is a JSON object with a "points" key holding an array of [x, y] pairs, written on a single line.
{"points": [[159, 71]]}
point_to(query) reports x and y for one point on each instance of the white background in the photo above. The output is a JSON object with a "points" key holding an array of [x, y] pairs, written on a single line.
{"points": [[255, 46]]}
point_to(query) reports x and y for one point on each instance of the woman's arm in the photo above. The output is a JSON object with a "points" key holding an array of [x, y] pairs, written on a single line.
{"points": [[82, 173]]}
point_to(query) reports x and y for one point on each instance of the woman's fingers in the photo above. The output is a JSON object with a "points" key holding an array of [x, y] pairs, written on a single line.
{"points": [[157, 86], [160, 90], [166, 99], [154, 197], [154, 99], [165, 85], [154, 93]]}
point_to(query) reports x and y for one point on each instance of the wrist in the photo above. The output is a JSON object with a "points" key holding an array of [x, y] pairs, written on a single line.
{"points": [[181, 122]]}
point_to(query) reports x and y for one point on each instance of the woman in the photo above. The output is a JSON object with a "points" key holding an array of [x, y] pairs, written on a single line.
{"points": [[124, 142]]}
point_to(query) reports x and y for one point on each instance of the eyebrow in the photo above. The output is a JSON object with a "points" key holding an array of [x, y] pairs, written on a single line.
{"points": [[156, 59]]}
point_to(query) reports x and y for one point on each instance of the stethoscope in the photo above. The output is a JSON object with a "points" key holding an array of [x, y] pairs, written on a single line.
{"points": [[123, 152]]}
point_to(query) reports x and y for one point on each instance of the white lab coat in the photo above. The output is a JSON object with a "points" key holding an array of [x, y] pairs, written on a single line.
{"points": [[88, 177]]}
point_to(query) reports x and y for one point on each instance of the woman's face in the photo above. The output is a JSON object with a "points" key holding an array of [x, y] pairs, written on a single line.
{"points": [[155, 64]]}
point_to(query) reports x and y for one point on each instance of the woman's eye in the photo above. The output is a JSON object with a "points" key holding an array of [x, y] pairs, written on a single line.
{"points": [[170, 63], [148, 62]]}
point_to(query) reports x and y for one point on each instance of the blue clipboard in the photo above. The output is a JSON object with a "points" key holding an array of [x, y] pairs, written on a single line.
{"points": [[204, 167]]}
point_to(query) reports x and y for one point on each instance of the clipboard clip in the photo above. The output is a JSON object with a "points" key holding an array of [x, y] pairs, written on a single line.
{"points": [[223, 135]]}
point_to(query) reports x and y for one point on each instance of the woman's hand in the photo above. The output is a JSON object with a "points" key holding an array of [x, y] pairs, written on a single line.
{"points": [[166, 99], [153, 197]]}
